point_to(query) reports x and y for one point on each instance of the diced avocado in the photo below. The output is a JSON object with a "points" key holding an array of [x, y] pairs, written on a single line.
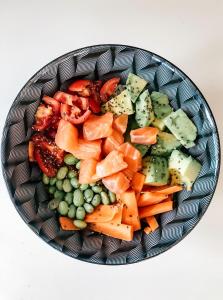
{"points": [[135, 86], [158, 123], [142, 148], [160, 103], [132, 124], [182, 127], [166, 143], [144, 112], [183, 169], [118, 105], [120, 88], [155, 168]]}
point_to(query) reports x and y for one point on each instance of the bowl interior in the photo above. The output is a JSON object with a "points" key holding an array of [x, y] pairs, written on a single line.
{"points": [[23, 180]]}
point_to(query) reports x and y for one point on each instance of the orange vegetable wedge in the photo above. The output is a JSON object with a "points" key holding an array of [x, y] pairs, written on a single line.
{"points": [[112, 164], [147, 230], [128, 173], [138, 182], [31, 151], [102, 214], [87, 149], [117, 183], [132, 156], [166, 189], [87, 171], [113, 141], [120, 123], [67, 136], [155, 209], [149, 198], [96, 127], [152, 222], [130, 215], [67, 224], [145, 136]]}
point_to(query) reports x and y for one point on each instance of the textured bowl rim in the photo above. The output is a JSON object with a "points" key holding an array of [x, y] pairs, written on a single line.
{"points": [[64, 56]]}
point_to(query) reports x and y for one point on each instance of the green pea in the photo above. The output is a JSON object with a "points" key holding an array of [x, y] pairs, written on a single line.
{"points": [[59, 195], [88, 195], [104, 198], [53, 204], [53, 180], [80, 213], [72, 174], [83, 187], [69, 198], [62, 172], [59, 185], [52, 189], [78, 198], [89, 208], [75, 183], [63, 208], [80, 224], [71, 211], [67, 187], [78, 165], [96, 200], [92, 184], [112, 196], [97, 189], [70, 160], [45, 179]]}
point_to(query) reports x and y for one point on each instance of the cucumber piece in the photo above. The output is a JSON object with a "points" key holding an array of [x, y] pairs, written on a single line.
{"points": [[135, 86], [160, 103], [142, 148], [182, 127], [144, 111], [155, 168], [158, 123], [183, 169], [166, 143]]}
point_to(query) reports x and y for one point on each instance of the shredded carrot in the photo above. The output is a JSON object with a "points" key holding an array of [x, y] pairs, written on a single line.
{"points": [[149, 198], [166, 189], [152, 222], [155, 209]]}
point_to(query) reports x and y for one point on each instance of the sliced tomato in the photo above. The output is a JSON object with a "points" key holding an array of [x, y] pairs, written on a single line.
{"points": [[43, 117], [82, 87], [120, 123], [65, 98], [53, 103], [74, 114], [97, 127], [45, 163], [67, 136], [132, 156], [117, 183], [113, 142], [144, 136], [108, 88], [87, 170], [87, 149], [94, 105]]}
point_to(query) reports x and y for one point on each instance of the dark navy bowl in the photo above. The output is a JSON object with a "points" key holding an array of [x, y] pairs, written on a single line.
{"points": [[23, 179]]}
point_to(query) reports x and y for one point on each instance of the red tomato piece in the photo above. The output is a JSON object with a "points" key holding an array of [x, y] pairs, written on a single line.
{"points": [[74, 114], [108, 88], [53, 103], [43, 117], [82, 87]]}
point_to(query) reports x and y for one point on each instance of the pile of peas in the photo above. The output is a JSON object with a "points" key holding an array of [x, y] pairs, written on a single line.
{"points": [[72, 199]]}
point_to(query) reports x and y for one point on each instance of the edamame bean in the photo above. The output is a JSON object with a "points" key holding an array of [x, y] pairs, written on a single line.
{"points": [[59, 185], [75, 183], [69, 198], [92, 184], [80, 213], [80, 224], [89, 208], [59, 195], [71, 174], [78, 198], [53, 204], [45, 179], [71, 211], [97, 189], [78, 165], [53, 180], [52, 189], [96, 200], [104, 198], [112, 196], [62, 172], [63, 208], [70, 160], [88, 195], [67, 187], [83, 187]]}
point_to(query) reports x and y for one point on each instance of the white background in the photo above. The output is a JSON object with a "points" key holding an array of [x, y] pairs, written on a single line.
{"points": [[188, 33]]}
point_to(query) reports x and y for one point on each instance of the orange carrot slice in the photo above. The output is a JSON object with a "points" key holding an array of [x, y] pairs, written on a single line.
{"points": [[102, 213], [155, 209], [147, 230], [152, 222], [67, 224], [120, 123], [67, 136], [113, 142], [117, 183], [166, 189], [137, 182], [149, 198], [132, 156], [145, 135], [87, 170], [31, 151]]}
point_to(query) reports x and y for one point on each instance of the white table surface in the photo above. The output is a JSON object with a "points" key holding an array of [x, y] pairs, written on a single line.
{"points": [[188, 33]]}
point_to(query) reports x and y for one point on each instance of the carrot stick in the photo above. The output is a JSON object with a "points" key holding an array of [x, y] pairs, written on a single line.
{"points": [[169, 198], [149, 198], [102, 213], [152, 222], [137, 182], [67, 224], [155, 209], [147, 230], [31, 151], [166, 189]]}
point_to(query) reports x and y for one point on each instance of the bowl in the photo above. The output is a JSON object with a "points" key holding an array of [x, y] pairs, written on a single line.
{"points": [[24, 181]]}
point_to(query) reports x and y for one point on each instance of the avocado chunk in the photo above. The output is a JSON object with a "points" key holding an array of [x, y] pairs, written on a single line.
{"points": [[144, 111], [161, 106], [135, 86], [118, 105], [182, 127], [158, 123], [166, 143], [155, 168], [142, 148], [183, 169]]}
